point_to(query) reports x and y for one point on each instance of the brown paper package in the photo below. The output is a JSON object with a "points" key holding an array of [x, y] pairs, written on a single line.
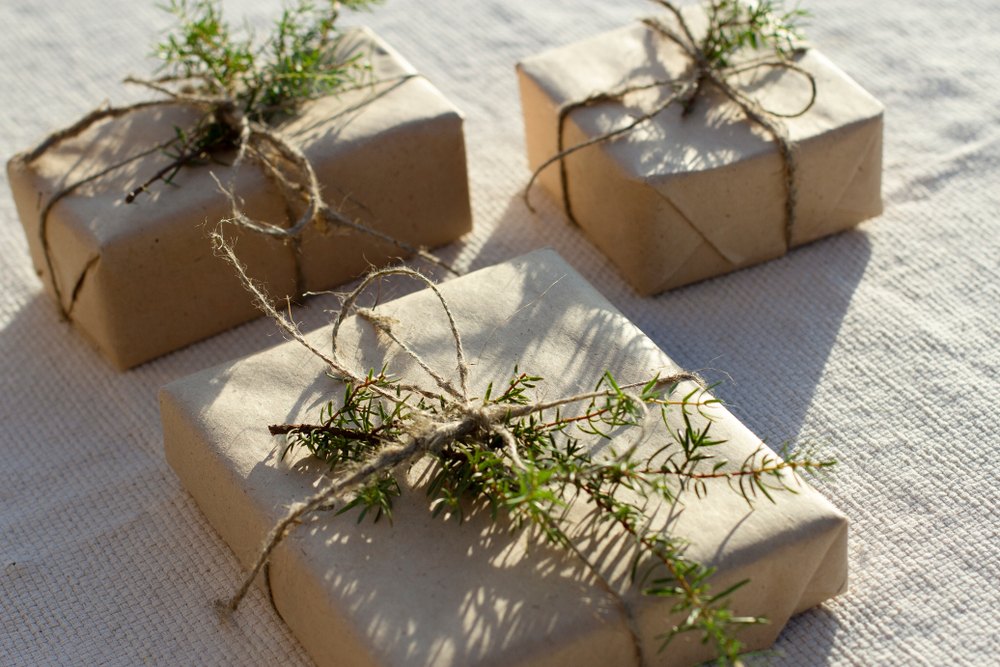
{"points": [[391, 154], [421, 591], [681, 199]]}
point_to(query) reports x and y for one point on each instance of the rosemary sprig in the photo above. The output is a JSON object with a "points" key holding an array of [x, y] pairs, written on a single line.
{"points": [[734, 25], [261, 81], [548, 464]]}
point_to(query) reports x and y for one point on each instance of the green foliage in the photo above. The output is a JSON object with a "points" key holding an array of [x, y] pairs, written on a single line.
{"points": [[240, 79], [551, 461], [749, 24], [202, 45], [292, 64]]}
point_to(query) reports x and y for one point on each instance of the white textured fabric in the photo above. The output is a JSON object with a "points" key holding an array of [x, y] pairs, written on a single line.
{"points": [[880, 346]]}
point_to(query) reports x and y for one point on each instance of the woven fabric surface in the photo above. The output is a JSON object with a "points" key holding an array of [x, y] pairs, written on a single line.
{"points": [[881, 346]]}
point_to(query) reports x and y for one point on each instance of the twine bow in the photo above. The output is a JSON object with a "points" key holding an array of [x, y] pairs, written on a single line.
{"points": [[254, 141], [428, 432], [702, 73]]}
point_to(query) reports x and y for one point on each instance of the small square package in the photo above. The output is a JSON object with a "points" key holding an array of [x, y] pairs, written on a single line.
{"points": [[687, 196], [141, 279]]}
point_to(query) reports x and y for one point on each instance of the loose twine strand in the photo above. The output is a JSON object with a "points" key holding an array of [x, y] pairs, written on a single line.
{"points": [[255, 141], [427, 433], [686, 90]]}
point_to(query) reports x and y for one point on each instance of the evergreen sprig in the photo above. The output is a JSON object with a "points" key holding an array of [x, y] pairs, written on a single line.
{"points": [[260, 80], [734, 25], [550, 464]]}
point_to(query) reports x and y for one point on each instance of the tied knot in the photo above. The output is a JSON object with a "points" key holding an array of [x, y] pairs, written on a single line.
{"points": [[482, 417], [230, 115], [460, 416]]}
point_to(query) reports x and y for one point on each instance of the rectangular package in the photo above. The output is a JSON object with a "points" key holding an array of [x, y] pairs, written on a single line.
{"points": [[141, 280], [422, 591], [683, 198]]}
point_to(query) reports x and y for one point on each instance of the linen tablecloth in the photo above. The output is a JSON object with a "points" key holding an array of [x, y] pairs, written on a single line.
{"points": [[880, 347]]}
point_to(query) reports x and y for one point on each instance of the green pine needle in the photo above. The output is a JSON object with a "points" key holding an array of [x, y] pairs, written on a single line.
{"points": [[735, 25]]}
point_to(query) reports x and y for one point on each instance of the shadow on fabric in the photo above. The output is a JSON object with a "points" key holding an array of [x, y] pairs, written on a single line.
{"points": [[765, 332]]}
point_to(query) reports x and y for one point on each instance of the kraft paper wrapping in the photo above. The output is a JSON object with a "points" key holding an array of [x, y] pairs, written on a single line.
{"points": [[681, 199], [424, 591], [391, 154]]}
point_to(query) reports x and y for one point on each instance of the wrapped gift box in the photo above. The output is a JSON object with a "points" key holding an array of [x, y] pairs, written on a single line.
{"points": [[684, 198], [424, 591], [141, 280]]}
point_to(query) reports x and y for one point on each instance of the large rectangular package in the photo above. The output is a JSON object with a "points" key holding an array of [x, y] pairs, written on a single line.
{"points": [[140, 280], [682, 197], [421, 591]]}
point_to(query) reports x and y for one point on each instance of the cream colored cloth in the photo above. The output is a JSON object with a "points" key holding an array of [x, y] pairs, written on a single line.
{"points": [[880, 345]]}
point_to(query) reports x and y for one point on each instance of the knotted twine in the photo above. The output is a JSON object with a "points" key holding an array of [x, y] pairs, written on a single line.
{"points": [[702, 73], [426, 433], [256, 142]]}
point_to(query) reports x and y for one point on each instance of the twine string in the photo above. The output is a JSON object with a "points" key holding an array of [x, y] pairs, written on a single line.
{"points": [[686, 90], [349, 302]]}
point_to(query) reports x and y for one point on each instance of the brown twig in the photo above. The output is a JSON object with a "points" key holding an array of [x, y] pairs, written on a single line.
{"points": [[307, 429]]}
